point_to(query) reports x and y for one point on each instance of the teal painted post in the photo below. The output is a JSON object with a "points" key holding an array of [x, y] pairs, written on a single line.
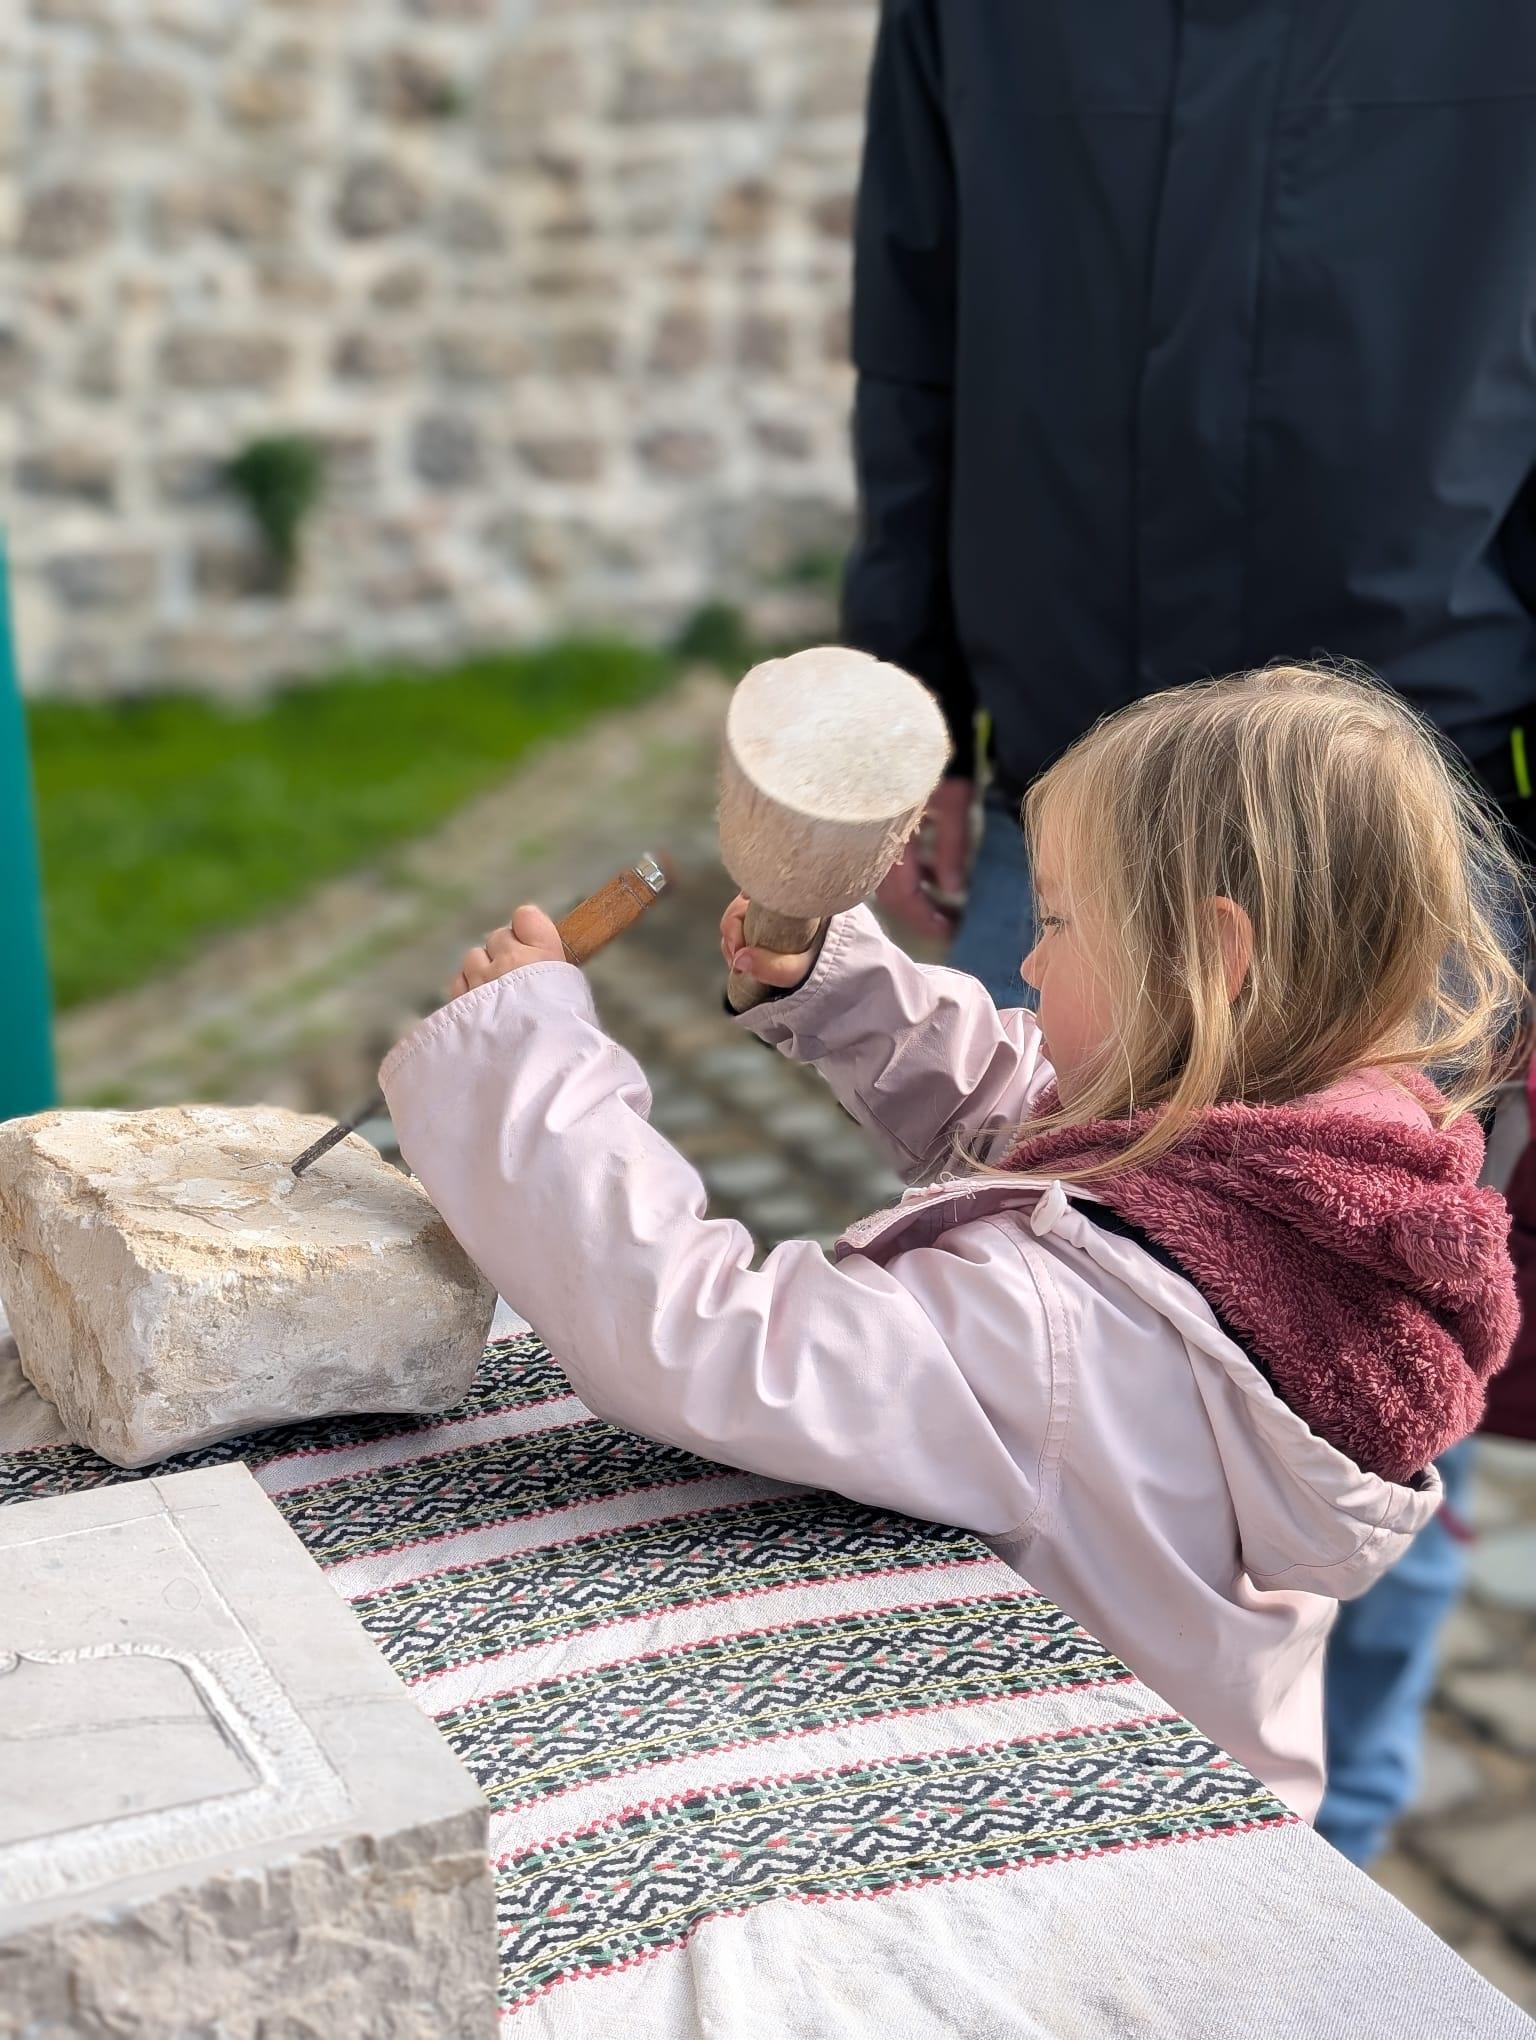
{"points": [[26, 1052]]}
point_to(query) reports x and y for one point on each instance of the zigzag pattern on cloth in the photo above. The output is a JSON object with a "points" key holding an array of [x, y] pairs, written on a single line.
{"points": [[469, 1613], [624, 1888], [768, 1683]]}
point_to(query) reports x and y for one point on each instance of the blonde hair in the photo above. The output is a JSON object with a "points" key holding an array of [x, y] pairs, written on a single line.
{"points": [[1376, 878]]}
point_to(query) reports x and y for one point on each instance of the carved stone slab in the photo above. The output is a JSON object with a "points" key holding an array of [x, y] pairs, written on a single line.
{"points": [[219, 1809]]}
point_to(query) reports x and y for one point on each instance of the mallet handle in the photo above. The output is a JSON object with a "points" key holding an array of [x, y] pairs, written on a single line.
{"points": [[764, 929]]}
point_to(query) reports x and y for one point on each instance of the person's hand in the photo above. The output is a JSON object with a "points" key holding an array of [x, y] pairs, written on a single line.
{"points": [[530, 937], [937, 857], [786, 971]]}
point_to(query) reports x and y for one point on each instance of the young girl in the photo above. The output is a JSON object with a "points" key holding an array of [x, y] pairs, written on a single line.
{"points": [[1205, 1282]]}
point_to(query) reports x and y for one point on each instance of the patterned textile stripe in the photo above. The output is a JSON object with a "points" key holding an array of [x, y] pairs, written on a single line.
{"points": [[559, 1733], [467, 1613], [513, 1374], [628, 1887], [480, 1486]]}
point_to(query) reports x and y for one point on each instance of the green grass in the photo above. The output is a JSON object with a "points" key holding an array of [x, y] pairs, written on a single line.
{"points": [[167, 819]]}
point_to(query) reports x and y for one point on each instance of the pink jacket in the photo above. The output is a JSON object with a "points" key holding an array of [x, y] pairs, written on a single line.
{"points": [[983, 1354]]}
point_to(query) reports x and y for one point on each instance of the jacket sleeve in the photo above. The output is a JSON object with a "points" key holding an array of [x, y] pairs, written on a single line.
{"points": [[896, 595], [917, 1054], [527, 1126]]}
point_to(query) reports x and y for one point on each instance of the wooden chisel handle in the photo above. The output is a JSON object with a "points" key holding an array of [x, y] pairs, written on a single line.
{"points": [[611, 909]]}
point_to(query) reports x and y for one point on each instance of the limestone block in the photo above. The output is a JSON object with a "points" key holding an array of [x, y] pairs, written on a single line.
{"points": [[170, 1282], [220, 1812]]}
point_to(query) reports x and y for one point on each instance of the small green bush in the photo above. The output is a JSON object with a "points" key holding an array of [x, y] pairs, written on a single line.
{"points": [[717, 635], [279, 479]]}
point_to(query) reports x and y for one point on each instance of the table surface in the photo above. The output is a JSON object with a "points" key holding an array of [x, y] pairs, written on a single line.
{"points": [[766, 1762]]}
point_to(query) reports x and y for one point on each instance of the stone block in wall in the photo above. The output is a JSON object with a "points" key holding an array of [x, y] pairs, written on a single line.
{"points": [[222, 1811], [295, 283], [61, 221], [550, 550], [680, 453], [255, 209], [189, 478], [769, 537], [136, 99], [408, 85], [784, 438], [470, 226], [370, 356], [682, 343], [274, 94], [72, 472], [562, 457], [765, 343], [701, 87], [74, 13], [229, 570], [479, 354], [208, 359], [209, 657], [208, 30], [376, 197], [401, 288], [744, 211], [832, 216], [351, 462], [17, 362], [447, 450], [111, 578], [834, 77], [98, 366], [530, 84], [581, 349]]}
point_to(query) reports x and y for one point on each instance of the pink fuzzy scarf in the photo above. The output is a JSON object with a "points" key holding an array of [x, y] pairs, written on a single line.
{"points": [[1352, 1253]]}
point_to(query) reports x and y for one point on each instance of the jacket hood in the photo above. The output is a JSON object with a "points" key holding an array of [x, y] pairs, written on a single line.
{"points": [[1345, 1243]]}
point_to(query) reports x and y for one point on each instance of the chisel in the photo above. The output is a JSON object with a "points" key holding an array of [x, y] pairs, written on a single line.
{"points": [[583, 932]]}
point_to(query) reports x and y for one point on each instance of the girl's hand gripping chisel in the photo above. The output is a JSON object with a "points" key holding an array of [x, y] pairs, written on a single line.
{"points": [[583, 932]]}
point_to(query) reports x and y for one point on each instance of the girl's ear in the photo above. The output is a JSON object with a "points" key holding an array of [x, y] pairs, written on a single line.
{"points": [[1234, 931]]}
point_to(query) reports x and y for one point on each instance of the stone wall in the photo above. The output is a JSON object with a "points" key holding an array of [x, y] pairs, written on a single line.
{"points": [[560, 288]]}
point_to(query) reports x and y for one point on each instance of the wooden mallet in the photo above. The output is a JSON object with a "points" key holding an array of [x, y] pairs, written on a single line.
{"points": [[828, 761]]}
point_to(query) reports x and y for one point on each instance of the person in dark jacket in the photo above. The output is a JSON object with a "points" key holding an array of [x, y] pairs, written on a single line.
{"points": [[1191, 336]]}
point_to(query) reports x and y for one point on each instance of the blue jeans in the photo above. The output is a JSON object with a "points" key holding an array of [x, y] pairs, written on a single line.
{"points": [[997, 930], [1381, 1656]]}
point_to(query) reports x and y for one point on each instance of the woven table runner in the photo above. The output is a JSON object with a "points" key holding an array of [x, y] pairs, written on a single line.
{"points": [[689, 1694]]}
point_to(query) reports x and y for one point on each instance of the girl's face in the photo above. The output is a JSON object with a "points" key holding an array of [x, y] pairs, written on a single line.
{"points": [[1073, 996]]}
